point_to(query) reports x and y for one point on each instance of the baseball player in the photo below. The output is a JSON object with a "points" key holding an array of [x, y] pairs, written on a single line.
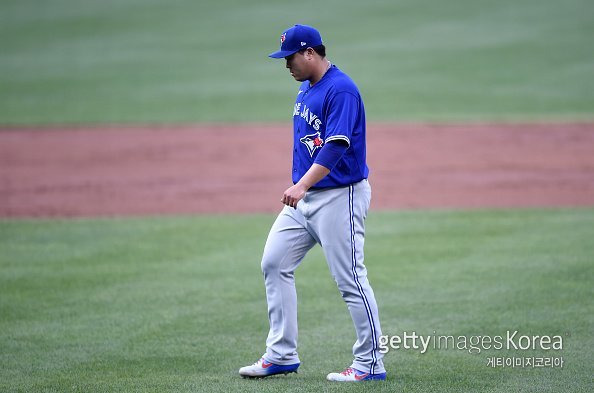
{"points": [[327, 205]]}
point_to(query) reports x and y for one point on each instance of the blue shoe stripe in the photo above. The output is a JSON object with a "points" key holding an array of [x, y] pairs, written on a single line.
{"points": [[375, 377], [282, 368]]}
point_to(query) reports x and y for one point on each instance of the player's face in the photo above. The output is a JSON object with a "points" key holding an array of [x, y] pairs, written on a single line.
{"points": [[298, 66]]}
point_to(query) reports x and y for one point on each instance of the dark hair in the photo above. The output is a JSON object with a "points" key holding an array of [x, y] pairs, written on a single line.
{"points": [[320, 50]]}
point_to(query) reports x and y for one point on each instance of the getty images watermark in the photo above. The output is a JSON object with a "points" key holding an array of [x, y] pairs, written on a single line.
{"points": [[511, 340]]}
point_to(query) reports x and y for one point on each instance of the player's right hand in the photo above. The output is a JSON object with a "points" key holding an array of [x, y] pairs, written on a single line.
{"points": [[293, 195]]}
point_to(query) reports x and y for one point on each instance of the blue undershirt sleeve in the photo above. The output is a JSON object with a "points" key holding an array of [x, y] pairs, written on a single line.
{"points": [[330, 153]]}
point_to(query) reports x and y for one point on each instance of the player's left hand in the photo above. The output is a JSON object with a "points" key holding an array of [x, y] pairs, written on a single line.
{"points": [[293, 194]]}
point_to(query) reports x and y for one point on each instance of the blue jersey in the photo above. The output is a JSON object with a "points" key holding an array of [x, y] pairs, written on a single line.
{"points": [[332, 109]]}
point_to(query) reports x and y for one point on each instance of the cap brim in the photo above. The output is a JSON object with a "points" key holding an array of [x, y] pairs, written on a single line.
{"points": [[281, 54]]}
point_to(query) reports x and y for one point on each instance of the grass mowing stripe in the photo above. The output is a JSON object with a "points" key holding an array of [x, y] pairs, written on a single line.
{"points": [[131, 61], [177, 303]]}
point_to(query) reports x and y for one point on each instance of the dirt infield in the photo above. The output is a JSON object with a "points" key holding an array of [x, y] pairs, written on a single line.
{"points": [[68, 172]]}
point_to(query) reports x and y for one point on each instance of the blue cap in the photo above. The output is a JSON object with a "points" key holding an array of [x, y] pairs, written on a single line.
{"points": [[296, 38]]}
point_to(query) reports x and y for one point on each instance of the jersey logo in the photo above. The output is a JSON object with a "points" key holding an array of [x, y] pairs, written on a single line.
{"points": [[312, 142]]}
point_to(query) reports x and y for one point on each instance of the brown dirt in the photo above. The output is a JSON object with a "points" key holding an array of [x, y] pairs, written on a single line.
{"points": [[68, 172]]}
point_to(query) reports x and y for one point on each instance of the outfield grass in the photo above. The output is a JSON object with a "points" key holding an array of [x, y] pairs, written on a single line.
{"points": [[158, 61], [177, 304]]}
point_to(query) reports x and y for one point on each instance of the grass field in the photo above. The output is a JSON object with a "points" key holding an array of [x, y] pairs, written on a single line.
{"points": [[177, 304], [155, 61]]}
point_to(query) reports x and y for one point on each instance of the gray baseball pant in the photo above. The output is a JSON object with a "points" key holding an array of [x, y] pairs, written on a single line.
{"points": [[334, 218]]}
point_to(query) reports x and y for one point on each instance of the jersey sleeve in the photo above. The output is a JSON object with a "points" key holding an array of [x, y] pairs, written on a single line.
{"points": [[342, 114]]}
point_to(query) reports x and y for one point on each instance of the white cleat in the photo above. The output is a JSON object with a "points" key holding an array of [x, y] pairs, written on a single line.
{"points": [[353, 375], [262, 369]]}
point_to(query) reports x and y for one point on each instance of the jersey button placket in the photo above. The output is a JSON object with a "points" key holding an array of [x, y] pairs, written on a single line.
{"points": [[295, 147]]}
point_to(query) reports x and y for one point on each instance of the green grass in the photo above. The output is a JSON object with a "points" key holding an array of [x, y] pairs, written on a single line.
{"points": [[158, 61], [177, 304]]}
